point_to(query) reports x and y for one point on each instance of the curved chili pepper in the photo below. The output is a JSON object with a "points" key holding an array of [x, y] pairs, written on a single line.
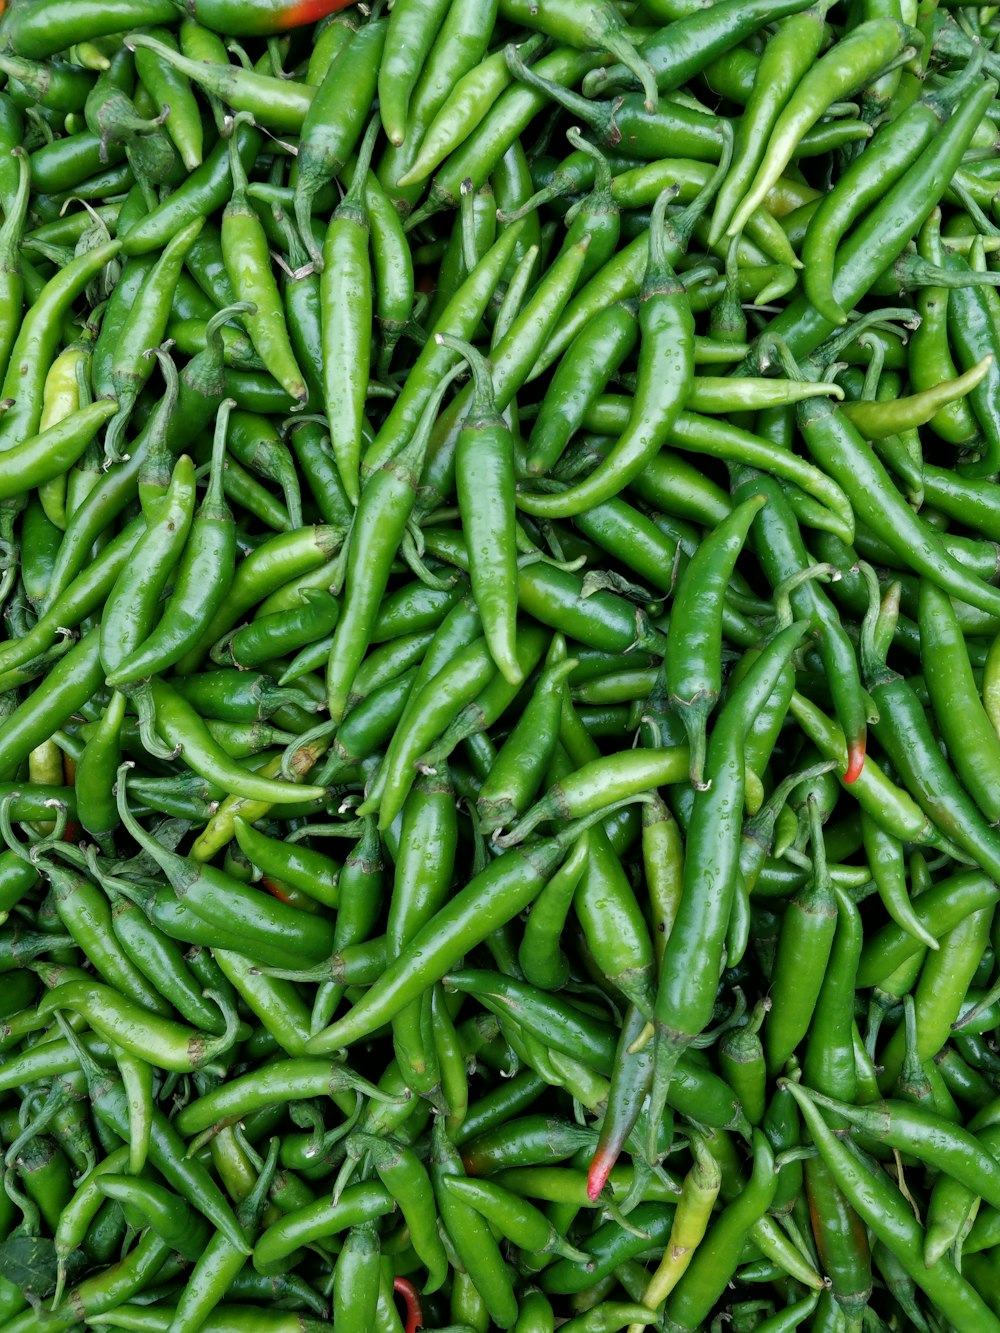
{"points": [[666, 338], [412, 29], [885, 1212], [357, 1204], [496, 895], [164, 1043], [888, 225], [786, 59]]}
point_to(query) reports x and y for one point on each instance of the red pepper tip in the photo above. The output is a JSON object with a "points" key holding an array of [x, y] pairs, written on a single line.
{"points": [[855, 760], [600, 1169]]}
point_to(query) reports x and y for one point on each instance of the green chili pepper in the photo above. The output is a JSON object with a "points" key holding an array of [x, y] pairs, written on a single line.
{"points": [[484, 904], [884, 1211], [334, 122], [686, 996], [383, 511], [346, 315], [786, 59], [412, 29], [245, 250], [691, 664], [356, 1285], [484, 466], [143, 327], [666, 332]]}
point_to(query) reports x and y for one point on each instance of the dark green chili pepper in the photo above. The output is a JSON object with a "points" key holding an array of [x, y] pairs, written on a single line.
{"points": [[357, 1204], [270, 927], [692, 663], [159, 1208], [484, 476], [610, 1245], [401, 1171], [593, 25], [841, 1239], [677, 54], [522, 761], [541, 958], [971, 739], [461, 318], [905, 734], [334, 122], [741, 1060], [383, 511], [630, 1080], [938, 909], [143, 327], [782, 552], [220, 1265], [581, 375], [302, 867], [200, 583], [166, 1149], [887, 863], [807, 933], [686, 994], [470, 1233]]}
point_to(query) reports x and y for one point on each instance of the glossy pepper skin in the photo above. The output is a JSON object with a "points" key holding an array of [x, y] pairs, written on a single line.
{"points": [[494, 486]]}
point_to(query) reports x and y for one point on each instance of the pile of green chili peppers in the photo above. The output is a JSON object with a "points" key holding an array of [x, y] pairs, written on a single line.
{"points": [[500, 666]]}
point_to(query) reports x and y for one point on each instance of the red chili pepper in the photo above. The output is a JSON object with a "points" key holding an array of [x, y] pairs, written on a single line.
{"points": [[260, 18], [411, 1299]]}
